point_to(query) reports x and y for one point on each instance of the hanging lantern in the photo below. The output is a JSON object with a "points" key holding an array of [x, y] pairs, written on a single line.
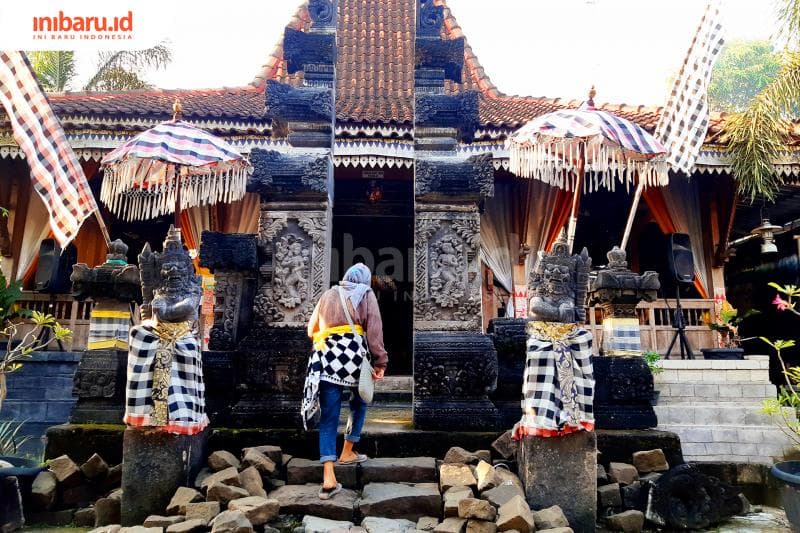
{"points": [[767, 233]]}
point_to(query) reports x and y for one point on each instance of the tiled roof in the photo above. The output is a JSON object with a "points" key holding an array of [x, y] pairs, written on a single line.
{"points": [[375, 71]]}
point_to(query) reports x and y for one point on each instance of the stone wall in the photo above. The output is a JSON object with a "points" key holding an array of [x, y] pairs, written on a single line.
{"points": [[715, 408], [40, 395]]}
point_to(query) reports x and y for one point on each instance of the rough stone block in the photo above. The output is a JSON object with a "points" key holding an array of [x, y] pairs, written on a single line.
{"points": [[602, 475], [456, 474], [263, 464], [301, 471], [400, 500], [409, 470], [222, 493], [505, 445], [315, 524], [562, 471], [156, 464], [182, 496], [622, 473], [650, 461], [231, 522], [66, 471], [274, 453], [502, 494], [427, 523], [478, 509], [162, 521], [451, 525], [304, 500], [609, 495], [550, 517], [628, 521], [480, 526], [374, 524], [95, 467], [205, 511], [222, 459], [187, 526], [229, 476], [457, 454], [452, 496], [84, 517], [43, 491], [106, 512], [78, 496], [515, 515], [251, 481], [257, 509]]}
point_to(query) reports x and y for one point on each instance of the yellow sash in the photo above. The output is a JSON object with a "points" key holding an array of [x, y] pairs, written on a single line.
{"points": [[320, 336]]}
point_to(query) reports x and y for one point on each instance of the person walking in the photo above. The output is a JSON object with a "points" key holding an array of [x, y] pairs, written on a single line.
{"points": [[344, 320]]}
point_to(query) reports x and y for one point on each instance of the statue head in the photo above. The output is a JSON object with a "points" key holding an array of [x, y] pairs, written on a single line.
{"points": [[117, 251], [617, 258]]}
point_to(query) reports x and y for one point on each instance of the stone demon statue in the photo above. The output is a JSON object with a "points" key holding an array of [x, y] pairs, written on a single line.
{"points": [[165, 377], [558, 384]]}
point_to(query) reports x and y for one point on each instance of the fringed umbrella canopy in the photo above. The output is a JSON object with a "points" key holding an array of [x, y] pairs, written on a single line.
{"points": [[554, 147], [171, 167]]}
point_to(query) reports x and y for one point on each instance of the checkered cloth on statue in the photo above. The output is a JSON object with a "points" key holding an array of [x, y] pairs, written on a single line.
{"points": [[558, 383], [165, 379], [336, 359]]}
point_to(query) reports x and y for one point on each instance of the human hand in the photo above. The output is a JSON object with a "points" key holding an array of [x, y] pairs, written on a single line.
{"points": [[377, 373]]}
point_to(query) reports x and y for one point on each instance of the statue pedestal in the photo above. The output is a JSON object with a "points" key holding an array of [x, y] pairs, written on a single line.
{"points": [[562, 471], [154, 465], [623, 392], [99, 384]]}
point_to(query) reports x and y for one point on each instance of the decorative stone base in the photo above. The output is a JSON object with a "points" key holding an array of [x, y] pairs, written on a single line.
{"points": [[154, 465], [509, 336], [453, 375], [562, 471], [623, 393], [99, 384], [272, 370], [219, 375]]}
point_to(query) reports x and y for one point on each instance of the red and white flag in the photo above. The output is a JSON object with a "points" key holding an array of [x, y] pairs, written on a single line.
{"points": [[684, 121], [56, 173]]}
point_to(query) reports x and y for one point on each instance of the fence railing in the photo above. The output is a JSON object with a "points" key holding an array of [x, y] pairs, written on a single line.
{"points": [[655, 319], [656, 323]]}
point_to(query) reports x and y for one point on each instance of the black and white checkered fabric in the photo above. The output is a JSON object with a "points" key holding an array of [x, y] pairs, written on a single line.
{"points": [[558, 384], [105, 332], [683, 123], [337, 361], [186, 395]]}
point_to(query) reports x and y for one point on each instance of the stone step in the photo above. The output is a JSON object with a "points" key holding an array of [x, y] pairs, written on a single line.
{"points": [[704, 392], [385, 469], [400, 500], [714, 414], [753, 444], [304, 500]]}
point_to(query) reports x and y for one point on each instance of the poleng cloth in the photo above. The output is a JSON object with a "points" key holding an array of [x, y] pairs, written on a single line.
{"points": [[558, 382], [165, 379], [109, 330], [336, 358]]}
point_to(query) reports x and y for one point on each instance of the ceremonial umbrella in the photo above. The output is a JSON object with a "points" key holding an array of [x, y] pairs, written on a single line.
{"points": [[585, 149], [171, 167]]}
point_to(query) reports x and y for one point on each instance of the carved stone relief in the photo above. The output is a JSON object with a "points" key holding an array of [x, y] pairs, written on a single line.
{"points": [[296, 245], [447, 281], [228, 297]]}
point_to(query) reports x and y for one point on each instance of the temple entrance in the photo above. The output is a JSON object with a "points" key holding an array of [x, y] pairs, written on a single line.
{"points": [[373, 223]]}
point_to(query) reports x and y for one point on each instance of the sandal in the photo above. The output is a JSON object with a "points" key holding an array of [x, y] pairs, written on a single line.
{"points": [[327, 494], [360, 458]]}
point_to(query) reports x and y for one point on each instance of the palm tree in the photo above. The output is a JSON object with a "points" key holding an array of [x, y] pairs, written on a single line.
{"points": [[757, 135], [116, 71]]}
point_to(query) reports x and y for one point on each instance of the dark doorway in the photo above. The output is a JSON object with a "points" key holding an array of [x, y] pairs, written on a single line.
{"points": [[373, 223]]}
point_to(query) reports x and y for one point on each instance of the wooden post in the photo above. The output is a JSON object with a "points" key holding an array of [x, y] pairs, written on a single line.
{"points": [[573, 219]]}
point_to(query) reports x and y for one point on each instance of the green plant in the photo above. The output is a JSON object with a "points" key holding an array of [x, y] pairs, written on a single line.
{"points": [[9, 440], [726, 322], [788, 397], [30, 342], [653, 361]]}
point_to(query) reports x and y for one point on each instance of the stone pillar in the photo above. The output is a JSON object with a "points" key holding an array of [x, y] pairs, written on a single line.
{"points": [[294, 233], [233, 259], [455, 366], [562, 471], [624, 383], [99, 381], [155, 464], [509, 336]]}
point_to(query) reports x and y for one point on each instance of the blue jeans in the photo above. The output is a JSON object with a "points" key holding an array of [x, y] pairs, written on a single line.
{"points": [[330, 400]]}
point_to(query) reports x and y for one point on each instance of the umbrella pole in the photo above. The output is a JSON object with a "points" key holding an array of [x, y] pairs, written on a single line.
{"points": [[573, 219], [634, 207], [177, 197], [103, 227]]}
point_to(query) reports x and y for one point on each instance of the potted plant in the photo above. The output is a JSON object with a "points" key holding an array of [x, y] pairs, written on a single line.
{"points": [[726, 323], [788, 397]]}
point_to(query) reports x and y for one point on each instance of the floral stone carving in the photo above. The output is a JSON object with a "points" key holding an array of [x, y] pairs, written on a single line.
{"points": [[296, 270], [447, 290]]}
